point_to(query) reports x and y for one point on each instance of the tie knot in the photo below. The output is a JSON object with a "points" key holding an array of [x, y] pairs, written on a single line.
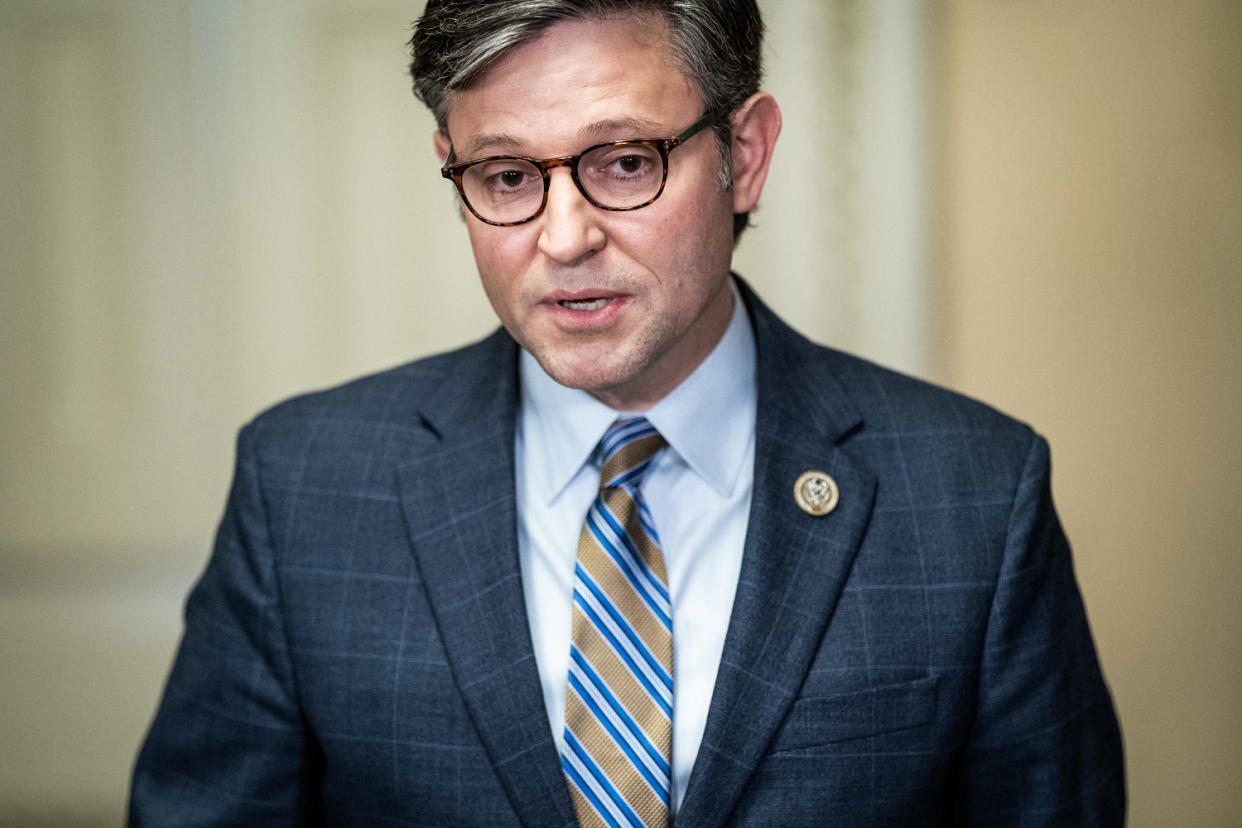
{"points": [[625, 452]]}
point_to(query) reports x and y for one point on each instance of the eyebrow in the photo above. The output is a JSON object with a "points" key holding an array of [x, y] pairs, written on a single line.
{"points": [[623, 128]]}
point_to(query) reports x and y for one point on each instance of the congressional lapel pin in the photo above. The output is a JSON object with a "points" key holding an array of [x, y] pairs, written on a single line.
{"points": [[816, 493]]}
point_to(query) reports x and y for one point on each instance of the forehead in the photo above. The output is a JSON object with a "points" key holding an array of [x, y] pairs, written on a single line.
{"points": [[577, 77]]}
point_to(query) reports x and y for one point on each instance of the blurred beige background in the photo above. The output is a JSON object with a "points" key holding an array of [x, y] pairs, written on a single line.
{"points": [[206, 205]]}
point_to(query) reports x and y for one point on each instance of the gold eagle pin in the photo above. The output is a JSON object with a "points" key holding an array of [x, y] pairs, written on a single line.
{"points": [[816, 493]]}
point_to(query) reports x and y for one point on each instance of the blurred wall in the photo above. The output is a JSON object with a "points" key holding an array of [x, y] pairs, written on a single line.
{"points": [[207, 205], [1091, 239]]}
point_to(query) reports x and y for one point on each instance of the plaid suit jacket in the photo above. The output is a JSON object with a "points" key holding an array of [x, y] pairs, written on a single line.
{"points": [[357, 651]]}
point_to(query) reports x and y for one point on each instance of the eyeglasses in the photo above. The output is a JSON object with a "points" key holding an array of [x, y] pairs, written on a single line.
{"points": [[506, 190]]}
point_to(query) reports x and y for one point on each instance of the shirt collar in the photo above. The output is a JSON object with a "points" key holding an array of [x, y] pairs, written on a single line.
{"points": [[708, 420]]}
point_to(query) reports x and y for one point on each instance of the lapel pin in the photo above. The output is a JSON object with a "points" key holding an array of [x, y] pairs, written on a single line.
{"points": [[816, 493]]}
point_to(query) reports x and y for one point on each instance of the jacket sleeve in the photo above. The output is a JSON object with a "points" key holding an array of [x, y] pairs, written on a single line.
{"points": [[228, 745], [1045, 748]]}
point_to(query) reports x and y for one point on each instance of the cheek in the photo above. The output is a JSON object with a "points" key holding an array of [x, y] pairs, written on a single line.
{"points": [[691, 249], [496, 265], [673, 244]]}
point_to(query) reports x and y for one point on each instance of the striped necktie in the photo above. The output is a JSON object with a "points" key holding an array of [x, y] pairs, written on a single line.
{"points": [[619, 704]]}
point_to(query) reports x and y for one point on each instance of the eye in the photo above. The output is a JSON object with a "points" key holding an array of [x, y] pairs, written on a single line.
{"points": [[626, 163], [630, 163], [511, 178], [502, 178]]}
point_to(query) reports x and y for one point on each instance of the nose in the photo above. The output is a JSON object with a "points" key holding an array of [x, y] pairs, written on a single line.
{"points": [[571, 228]]}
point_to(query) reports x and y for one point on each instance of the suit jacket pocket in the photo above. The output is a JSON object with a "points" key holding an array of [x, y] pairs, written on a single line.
{"points": [[823, 720]]}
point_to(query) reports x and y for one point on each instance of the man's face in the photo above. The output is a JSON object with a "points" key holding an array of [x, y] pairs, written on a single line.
{"points": [[622, 304]]}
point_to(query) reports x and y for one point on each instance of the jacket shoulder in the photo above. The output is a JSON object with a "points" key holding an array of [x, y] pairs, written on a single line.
{"points": [[930, 445], [864, 400], [894, 402], [388, 399]]}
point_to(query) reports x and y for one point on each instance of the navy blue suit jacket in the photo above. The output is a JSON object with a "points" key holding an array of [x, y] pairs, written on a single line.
{"points": [[357, 650]]}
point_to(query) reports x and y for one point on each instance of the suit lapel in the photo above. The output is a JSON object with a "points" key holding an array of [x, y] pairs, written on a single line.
{"points": [[457, 492], [794, 565]]}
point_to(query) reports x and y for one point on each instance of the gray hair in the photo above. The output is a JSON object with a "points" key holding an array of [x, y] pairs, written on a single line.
{"points": [[718, 44]]}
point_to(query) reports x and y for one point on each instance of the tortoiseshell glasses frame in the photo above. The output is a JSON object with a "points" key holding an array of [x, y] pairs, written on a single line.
{"points": [[456, 172]]}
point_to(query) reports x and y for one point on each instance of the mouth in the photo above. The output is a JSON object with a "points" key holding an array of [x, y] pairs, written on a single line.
{"points": [[587, 310], [584, 304]]}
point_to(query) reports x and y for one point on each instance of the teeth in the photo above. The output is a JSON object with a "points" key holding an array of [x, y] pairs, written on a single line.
{"points": [[586, 305]]}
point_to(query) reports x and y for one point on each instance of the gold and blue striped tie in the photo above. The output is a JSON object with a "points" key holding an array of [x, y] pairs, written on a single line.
{"points": [[619, 704]]}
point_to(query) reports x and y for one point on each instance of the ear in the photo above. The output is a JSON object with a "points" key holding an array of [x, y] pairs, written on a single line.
{"points": [[755, 125], [442, 144]]}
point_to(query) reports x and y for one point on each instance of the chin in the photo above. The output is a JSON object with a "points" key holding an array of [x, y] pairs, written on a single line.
{"points": [[591, 380], [587, 373]]}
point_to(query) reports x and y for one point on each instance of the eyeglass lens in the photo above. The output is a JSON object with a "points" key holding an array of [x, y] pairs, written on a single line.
{"points": [[616, 177]]}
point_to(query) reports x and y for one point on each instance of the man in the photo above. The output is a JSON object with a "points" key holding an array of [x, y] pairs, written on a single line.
{"points": [[788, 587]]}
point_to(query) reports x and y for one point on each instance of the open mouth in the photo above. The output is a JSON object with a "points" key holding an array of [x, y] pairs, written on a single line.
{"points": [[583, 304]]}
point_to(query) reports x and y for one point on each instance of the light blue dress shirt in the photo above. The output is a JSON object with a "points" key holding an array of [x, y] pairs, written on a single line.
{"points": [[698, 491]]}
